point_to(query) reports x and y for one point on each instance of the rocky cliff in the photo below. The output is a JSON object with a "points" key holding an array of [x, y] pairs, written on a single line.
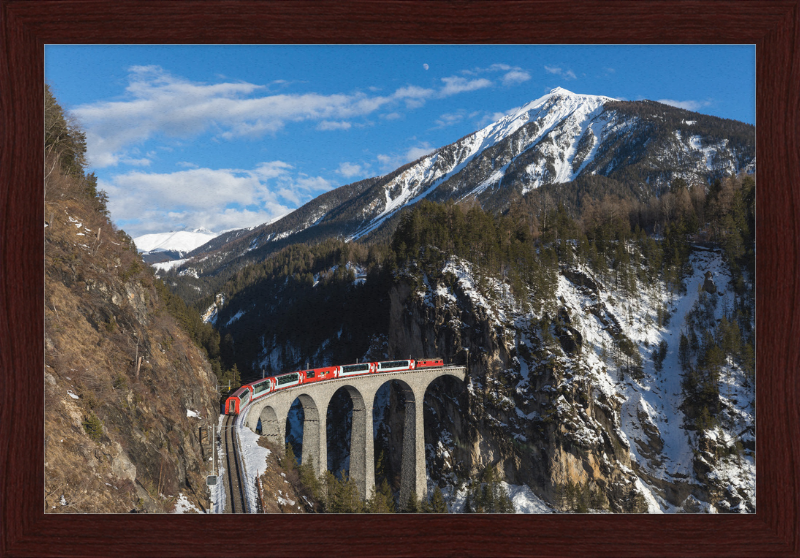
{"points": [[126, 391], [554, 404]]}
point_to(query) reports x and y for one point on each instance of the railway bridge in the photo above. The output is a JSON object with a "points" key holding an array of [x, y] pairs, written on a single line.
{"points": [[273, 412]]}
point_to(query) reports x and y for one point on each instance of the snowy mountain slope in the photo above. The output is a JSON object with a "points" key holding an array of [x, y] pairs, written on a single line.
{"points": [[181, 241], [560, 138], [634, 442]]}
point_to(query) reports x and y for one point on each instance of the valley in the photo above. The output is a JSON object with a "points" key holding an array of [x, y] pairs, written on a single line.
{"points": [[590, 262]]}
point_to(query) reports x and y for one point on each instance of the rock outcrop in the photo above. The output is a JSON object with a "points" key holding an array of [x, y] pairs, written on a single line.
{"points": [[126, 393]]}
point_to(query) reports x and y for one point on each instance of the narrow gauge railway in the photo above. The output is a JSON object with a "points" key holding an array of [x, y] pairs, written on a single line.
{"points": [[248, 393], [234, 485]]}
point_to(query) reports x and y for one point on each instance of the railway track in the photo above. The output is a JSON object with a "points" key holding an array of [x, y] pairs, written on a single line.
{"points": [[235, 487]]}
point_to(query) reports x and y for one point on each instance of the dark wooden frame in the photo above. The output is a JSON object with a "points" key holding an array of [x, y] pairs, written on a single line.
{"points": [[28, 25]]}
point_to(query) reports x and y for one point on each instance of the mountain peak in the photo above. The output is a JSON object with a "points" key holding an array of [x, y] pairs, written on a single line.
{"points": [[560, 91]]}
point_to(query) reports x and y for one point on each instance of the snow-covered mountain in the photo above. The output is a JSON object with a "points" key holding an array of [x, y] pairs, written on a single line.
{"points": [[184, 241], [173, 245], [639, 148]]}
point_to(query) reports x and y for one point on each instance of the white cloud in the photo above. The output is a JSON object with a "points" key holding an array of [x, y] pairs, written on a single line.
{"points": [[456, 84], [515, 77], [493, 68], [425, 66], [143, 162], [349, 170], [566, 74], [688, 105], [158, 104], [448, 119], [332, 125], [272, 169], [216, 199]]}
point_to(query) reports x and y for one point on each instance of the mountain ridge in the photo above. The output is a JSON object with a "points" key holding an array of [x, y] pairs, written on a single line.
{"points": [[559, 138]]}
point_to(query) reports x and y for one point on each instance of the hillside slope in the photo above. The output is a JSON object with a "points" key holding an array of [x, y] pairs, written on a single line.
{"points": [[126, 391], [614, 371]]}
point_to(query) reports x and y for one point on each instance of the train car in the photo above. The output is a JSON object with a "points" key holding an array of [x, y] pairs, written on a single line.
{"points": [[430, 363], [319, 374], [238, 401], [288, 380], [261, 388], [394, 365], [356, 369]]}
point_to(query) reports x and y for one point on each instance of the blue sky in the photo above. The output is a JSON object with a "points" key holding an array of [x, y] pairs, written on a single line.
{"points": [[226, 137]]}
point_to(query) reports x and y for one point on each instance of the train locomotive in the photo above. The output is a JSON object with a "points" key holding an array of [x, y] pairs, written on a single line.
{"points": [[248, 393]]}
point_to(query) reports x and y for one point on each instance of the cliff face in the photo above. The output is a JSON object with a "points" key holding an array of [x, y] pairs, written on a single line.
{"points": [[126, 391], [501, 418], [552, 402]]}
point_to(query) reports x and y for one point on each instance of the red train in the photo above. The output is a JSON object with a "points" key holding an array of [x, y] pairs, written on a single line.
{"points": [[261, 388]]}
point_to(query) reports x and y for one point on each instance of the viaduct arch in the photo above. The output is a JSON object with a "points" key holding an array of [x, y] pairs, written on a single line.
{"points": [[273, 412]]}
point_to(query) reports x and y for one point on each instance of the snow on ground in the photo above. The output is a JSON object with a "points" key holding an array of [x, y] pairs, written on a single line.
{"points": [[655, 401], [253, 456], [500, 309], [191, 413], [238, 315], [359, 272], [218, 494], [185, 506], [524, 500], [166, 266], [651, 413]]}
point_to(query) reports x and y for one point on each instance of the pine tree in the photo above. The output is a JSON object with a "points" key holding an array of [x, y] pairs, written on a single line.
{"points": [[412, 505], [468, 502], [381, 500], [309, 480], [288, 461], [487, 489], [504, 502], [438, 504], [349, 499], [333, 497]]}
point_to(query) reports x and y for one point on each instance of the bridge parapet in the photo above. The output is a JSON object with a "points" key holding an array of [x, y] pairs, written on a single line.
{"points": [[273, 412]]}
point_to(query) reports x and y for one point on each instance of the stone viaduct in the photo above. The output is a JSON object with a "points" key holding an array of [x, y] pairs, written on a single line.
{"points": [[273, 412]]}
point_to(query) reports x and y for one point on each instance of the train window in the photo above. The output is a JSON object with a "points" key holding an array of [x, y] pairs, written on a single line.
{"points": [[310, 374], [288, 378], [394, 364], [258, 388], [355, 368]]}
